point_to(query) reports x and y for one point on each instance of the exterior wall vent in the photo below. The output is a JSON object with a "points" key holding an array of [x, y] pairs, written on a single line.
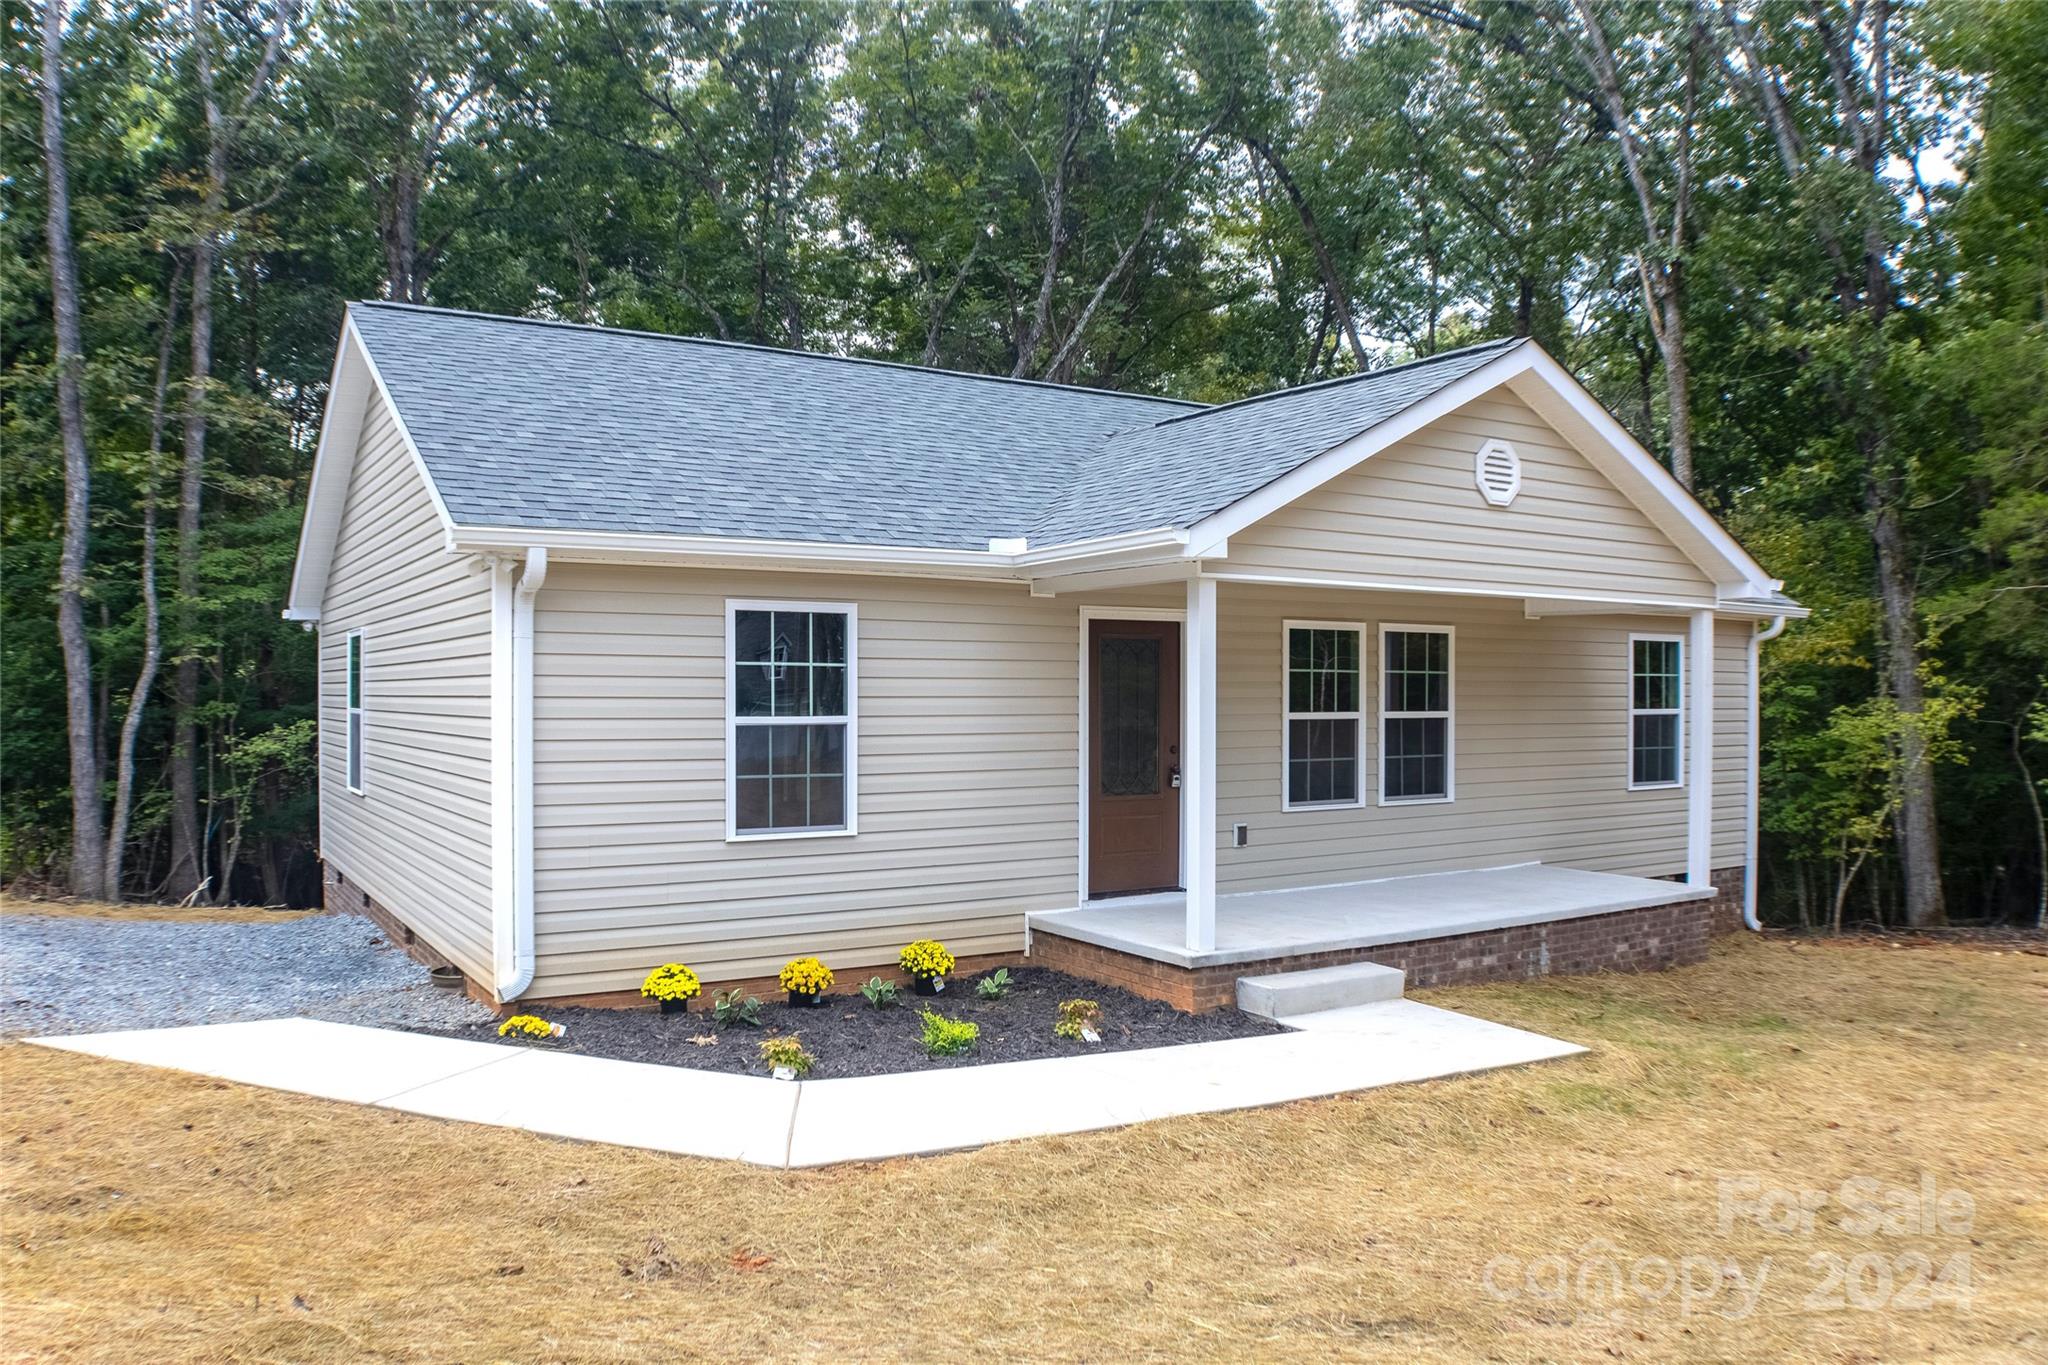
{"points": [[1498, 472]]}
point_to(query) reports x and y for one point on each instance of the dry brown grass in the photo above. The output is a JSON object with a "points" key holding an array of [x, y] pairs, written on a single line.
{"points": [[150, 1215], [136, 910]]}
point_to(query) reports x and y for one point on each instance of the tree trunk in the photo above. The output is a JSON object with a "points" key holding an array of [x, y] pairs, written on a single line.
{"points": [[88, 832], [1333, 286], [1919, 839], [152, 612]]}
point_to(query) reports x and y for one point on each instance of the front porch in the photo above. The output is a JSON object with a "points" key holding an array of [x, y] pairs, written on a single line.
{"points": [[1443, 928]]}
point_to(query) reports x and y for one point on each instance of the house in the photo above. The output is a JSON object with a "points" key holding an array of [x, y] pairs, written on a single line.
{"points": [[638, 648]]}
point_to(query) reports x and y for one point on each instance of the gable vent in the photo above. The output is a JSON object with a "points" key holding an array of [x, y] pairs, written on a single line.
{"points": [[1498, 472]]}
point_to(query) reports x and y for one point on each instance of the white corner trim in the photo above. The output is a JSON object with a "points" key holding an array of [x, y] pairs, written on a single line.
{"points": [[1497, 473], [1364, 633], [851, 611]]}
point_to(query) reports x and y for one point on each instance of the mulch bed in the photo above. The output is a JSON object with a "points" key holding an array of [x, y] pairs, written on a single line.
{"points": [[849, 1038]]}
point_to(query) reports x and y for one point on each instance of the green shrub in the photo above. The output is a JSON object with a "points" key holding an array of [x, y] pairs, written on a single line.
{"points": [[1077, 1017], [879, 994], [995, 985], [945, 1037], [787, 1050]]}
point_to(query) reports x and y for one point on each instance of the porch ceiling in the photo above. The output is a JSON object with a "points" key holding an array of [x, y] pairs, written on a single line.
{"points": [[1255, 925]]}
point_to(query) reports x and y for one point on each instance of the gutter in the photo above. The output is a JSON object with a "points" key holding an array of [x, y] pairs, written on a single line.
{"points": [[514, 925], [1749, 871]]}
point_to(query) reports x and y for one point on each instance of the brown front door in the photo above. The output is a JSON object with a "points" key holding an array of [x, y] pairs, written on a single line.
{"points": [[1133, 756]]}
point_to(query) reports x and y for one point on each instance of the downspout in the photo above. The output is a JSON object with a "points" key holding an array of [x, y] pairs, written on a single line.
{"points": [[1750, 871], [516, 975]]}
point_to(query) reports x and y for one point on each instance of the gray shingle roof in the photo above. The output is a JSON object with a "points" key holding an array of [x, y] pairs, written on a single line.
{"points": [[537, 424]]}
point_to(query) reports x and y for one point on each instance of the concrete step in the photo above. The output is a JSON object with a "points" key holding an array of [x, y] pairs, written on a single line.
{"points": [[1324, 988]]}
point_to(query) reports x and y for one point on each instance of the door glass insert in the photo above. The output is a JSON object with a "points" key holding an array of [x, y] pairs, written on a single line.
{"points": [[1130, 715]]}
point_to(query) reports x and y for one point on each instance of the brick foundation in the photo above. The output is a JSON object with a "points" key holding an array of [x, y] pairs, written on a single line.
{"points": [[1629, 941], [1726, 906], [1649, 939]]}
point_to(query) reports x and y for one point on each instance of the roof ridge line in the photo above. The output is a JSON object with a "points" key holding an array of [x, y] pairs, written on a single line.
{"points": [[395, 306], [1504, 344]]}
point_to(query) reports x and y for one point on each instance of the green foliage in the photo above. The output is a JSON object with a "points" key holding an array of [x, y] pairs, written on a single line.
{"points": [[1076, 1018], [735, 1009], [945, 1037], [994, 986], [909, 181], [787, 1050], [879, 994]]}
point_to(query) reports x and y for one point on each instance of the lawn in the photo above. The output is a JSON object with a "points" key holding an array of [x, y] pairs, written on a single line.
{"points": [[151, 1215]]}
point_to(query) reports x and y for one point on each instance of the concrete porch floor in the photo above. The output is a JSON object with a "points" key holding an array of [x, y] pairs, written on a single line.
{"points": [[1256, 925]]}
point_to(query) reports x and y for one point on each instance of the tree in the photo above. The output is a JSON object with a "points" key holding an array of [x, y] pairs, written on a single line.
{"points": [[190, 878], [88, 835]]}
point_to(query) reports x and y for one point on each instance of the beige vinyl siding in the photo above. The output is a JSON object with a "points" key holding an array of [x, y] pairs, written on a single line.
{"points": [[1541, 748], [968, 703], [967, 796], [418, 838], [1731, 742], [1412, 515]]}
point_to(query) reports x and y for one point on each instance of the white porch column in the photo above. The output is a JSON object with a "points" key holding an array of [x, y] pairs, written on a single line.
{"points": [[1198, 764], [1699, 805]]}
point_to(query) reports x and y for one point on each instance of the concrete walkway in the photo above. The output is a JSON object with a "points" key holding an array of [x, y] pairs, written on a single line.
{"points": [[816, 1123]]}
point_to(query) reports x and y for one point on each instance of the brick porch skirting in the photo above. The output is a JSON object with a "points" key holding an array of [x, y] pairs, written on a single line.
{"points": [[1649, 939]]}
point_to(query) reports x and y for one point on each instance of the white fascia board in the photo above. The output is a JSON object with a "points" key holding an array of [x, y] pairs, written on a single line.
{"points": [[354, 379], [1562, 400], [821, 556]]}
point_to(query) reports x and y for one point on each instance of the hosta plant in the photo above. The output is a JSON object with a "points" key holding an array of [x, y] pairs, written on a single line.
{"points": [[995, 985], [879, 994], [736, 1007]]}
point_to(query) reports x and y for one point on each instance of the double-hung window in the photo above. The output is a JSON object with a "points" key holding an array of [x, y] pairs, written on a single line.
{"points": [[1322, 706], [354, 759], [1415, 714], [789, 719], [1656, 717]]}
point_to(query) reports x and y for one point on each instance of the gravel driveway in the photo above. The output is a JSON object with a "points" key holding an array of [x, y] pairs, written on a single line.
{"points": [[70, 975]]}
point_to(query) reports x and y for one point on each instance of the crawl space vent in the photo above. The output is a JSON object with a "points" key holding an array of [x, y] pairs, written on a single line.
{"points": [[1498, 472]]}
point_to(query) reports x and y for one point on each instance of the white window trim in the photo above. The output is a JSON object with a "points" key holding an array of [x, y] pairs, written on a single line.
{"points": [[733, 834], [1449, 715], [1287, 628], [355, 734], [1628, 741]]}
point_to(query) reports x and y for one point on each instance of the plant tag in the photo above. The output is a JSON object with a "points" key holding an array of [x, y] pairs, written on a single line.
{"points": [[938, 985], [557, 1030], [784, 1073], [1089, 1035]]}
